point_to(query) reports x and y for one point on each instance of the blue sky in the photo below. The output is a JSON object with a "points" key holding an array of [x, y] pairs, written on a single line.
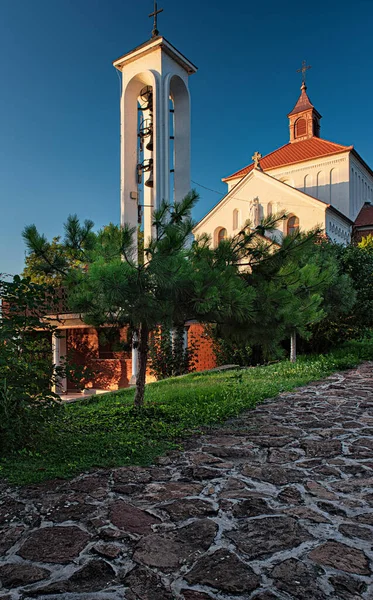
{"points": [[59, 99]]}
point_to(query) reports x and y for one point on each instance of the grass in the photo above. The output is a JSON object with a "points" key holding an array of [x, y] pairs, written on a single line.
{"points": [[106, 431]]}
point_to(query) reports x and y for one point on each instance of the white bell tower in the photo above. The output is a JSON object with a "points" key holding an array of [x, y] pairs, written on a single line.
{"points": [[155, 128]]}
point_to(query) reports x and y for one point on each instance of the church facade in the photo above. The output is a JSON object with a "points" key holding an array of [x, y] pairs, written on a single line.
{"points": [[314, 182]]}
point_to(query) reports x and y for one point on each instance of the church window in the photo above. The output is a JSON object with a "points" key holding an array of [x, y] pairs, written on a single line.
{"points": [[222, 235], [236, 219], [219, 235], [333, 177], [269, 209], [300, 127], [292, 225]]}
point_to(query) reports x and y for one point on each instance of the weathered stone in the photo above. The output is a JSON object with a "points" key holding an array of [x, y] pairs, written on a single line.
{"points": [[107, 550], [54, 544], [224, 440], [15, 575], [203, 473], [241, 453], [354, 531], [94, 576], [158, 492], [90, 484], [193, 595], [11, 511], [252, 507], [131, 519], [186, 509], [168, 550], [316, 489], [268, 535], [290, 495], [70, 508], [273, 442], [366, 519], [109, 533], [302, 512], [342, 557], [266, 596], [128, 489], [143, 584], [132, 475], [274, 475], [297, 579], [327, 471], [223, 571], [8, 537], [283, 456], [347, 587], [327, 449], [331, 509]]}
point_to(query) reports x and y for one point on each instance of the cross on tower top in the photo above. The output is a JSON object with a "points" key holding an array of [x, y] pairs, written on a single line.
{"points": [[155, 14], [304, 70], [256, 158]]}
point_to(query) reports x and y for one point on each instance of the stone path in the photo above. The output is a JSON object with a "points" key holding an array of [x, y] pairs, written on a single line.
{"points": [[277, 504]]}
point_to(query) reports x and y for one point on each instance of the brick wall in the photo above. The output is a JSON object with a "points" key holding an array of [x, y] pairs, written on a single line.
{"points": [[115, 373], [205, 356]]}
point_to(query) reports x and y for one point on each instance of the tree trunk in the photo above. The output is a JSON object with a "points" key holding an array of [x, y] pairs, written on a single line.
{"points": [[293, 347], [143, 359]]}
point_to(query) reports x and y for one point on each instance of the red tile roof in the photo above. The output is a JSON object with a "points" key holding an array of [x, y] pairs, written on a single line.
{"points": [[365, 216], [294, 153]]}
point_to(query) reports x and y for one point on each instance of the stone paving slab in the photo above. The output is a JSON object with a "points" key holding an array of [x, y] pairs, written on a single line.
{"points": [[276, 504]]}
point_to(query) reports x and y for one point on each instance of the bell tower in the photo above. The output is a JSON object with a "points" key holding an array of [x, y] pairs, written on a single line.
{"points": [[304, 119], [155, 128]]}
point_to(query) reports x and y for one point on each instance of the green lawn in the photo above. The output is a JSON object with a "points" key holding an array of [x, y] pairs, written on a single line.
{"points": [[106, 431]]}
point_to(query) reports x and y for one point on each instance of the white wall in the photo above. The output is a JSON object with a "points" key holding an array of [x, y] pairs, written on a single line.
{"points": [[282, 198], [337, 229], [361, 186], [326, 179]]}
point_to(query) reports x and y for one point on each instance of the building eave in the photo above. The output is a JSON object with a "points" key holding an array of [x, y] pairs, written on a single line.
{"points": [[152, 45], [341, 215]]}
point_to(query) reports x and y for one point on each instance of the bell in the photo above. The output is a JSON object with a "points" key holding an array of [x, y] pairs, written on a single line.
{"points": [[149, 145], [150, 181]]}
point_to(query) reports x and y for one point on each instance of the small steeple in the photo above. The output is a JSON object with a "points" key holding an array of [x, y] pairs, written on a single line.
{"points": [[304, 119]]}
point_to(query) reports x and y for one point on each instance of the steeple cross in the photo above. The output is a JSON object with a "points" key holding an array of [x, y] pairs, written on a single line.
{"points": [[256, 158], [155, 14], [304, 70]]}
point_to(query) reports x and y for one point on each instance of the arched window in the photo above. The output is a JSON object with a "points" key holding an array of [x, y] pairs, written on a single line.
{"points": [[269, 209], [236, 219], [300, 127], [221, 235], [292, 225]]}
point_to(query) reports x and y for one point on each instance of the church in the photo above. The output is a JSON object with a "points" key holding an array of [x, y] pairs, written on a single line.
{"points": [[310, 181]]}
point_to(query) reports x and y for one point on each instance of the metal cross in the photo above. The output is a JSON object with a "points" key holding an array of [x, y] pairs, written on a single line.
{"points": [[304, 70], [155, 14], [256, 158]]}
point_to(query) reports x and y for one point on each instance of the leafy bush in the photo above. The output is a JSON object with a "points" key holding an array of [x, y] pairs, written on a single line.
{"points": [[26, 370], [168, 355]]}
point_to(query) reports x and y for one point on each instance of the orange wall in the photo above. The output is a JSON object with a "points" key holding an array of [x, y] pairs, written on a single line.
{"points": [[115, 373]]}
